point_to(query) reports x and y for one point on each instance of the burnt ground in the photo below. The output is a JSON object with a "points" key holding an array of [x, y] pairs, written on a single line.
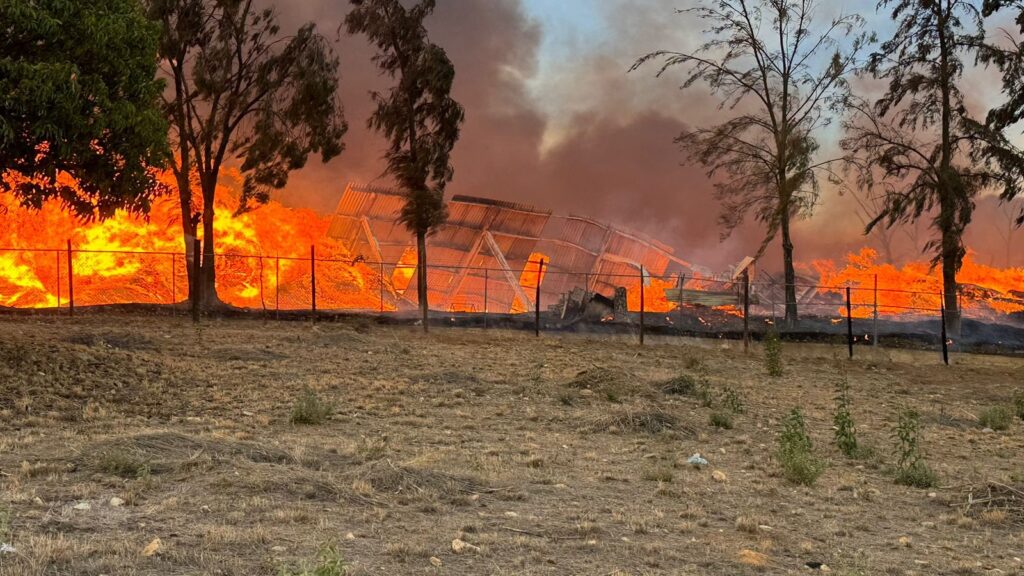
{"points": [[557, 455]]}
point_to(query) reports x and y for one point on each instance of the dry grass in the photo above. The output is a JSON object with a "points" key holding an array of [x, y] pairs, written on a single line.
{"points": [[558, 455]]}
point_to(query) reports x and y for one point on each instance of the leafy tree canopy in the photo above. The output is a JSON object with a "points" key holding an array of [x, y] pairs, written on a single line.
{"points": [[79, 104]]}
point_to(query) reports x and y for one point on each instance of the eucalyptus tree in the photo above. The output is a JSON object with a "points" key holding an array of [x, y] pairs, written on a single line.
{"points": [[418, 115], [242, 91], [781, 74]]}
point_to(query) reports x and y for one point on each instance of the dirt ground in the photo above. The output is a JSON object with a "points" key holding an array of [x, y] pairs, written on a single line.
{"points": [[133, 445]]}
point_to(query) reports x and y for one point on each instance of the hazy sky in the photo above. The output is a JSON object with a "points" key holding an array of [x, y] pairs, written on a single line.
{"points": [[553, 119]]}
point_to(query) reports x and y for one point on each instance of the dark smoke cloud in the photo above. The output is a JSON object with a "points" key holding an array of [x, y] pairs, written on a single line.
{"points": [[582, 137]]}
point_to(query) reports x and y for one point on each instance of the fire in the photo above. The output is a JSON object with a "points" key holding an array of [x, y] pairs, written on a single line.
{"points": [[915, 288], [265, 262]]}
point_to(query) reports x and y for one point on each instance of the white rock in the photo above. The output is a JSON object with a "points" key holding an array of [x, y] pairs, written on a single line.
{"points": [[116, 502], [461, 546], [435, 561], [6, 548], [83, 506]]}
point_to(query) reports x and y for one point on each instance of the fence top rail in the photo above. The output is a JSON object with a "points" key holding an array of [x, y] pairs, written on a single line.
{"points": [[529, 266]]}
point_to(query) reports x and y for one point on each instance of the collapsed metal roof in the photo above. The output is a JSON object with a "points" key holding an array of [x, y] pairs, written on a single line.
{"points": [[486, 245]]}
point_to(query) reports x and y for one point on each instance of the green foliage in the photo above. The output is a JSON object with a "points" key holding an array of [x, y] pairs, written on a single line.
{"points": [[773, 353], [309, 409], [5, 524], [1018, 404], [721, 420], [796, 452], [845, 430], [328, 563], [705, 394], [732, 400], [911, 468], [996, 418], [80, 95], [244, 90]]}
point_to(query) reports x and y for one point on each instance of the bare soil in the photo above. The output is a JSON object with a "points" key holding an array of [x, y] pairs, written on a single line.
{"points": [[558, 455]]}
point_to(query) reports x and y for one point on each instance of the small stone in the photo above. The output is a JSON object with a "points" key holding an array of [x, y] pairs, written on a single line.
{"points": [[932, 494], [435, 561], [205, 509], [987, 430], [905, 541], [83, 506], [247, 413], [928, 524], [461, 546], [511, 515], [278, 549], [719, 476], [562, 486], [752, 558], [116, 502], [152, 547], [350, 536], [38, 501]]}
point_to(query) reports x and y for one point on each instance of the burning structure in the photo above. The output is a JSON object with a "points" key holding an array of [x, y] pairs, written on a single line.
{"points": [[489, 253]]}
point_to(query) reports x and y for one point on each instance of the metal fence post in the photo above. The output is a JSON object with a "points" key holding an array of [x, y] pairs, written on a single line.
{"points": [[536, 301], [263, 299], [746, 311], [57, 254], [381, 271], [682, 282], [642, 305], [71, 283], [277, 287], [849, 321], [945, 344], [174, 281], [312, 278], [486, 278], [874, 335], [197, 284]]}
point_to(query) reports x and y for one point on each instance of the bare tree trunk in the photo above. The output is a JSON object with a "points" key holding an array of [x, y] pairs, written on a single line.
{"points": [[790, 273], [951, 255], [421, 277], [188, 226], [208, 270]]}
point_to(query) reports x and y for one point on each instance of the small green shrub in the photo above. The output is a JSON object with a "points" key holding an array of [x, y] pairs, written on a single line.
{"points": [[846, 430], [122, 463], [911, 468], [309, 409], [682, 385], [705, 394], [732, 400], [328, 563], [796, 452], [657, 475], [721, 420], [1018, 404], [773, 353], [996, 418]]}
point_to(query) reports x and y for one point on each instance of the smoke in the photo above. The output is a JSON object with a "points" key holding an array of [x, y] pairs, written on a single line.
{"points": [[555, 120]]}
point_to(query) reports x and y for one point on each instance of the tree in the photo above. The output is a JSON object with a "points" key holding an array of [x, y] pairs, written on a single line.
{"points": [[418, 116], [79, 98], [781, 75], [242, 91], [932, 156]]}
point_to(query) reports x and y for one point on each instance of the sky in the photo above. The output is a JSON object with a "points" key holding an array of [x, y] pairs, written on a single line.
{"points": [[555, 120]]}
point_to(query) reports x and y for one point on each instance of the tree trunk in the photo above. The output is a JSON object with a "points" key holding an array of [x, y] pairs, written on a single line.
{"points": [[950, 292], [421, 277], [208, 269], [188, 228], [790, 272]]}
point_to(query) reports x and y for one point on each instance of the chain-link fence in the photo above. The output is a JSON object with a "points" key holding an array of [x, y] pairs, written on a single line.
{"points": [[532, 295]]}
